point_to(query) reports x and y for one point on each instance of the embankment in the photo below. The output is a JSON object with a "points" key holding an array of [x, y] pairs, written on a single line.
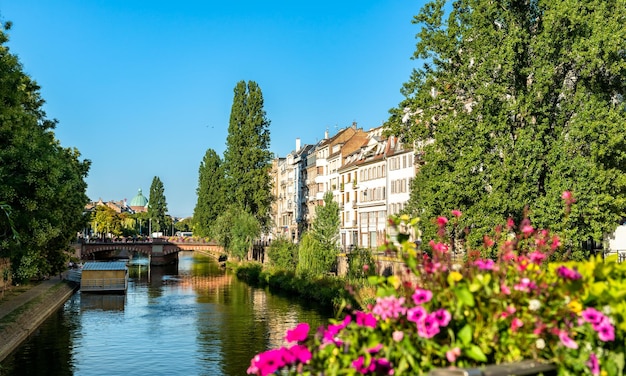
{"points": [[26, 319]]}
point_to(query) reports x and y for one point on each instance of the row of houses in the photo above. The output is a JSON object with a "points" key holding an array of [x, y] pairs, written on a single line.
{"points": [[368, 174]]}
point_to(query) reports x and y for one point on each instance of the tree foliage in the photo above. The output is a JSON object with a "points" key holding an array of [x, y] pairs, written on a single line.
{"points": [[211, 193], [283, 254], [235, 230], [518, 101], [319, 247], [247, 159], [41, 181], [157, 206]]}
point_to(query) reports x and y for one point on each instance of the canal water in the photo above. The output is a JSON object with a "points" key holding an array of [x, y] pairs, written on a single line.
{"points": [[185, 319]]}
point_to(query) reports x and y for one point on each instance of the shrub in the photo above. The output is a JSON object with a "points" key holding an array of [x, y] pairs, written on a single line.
{"points": [[480, 311], [283, 254]]}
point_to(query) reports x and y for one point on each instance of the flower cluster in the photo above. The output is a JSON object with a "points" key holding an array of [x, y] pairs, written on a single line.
{"points": [[442, 312]]}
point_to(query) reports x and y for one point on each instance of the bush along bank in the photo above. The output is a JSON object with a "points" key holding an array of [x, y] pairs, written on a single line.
{"points": [[329, 292]]}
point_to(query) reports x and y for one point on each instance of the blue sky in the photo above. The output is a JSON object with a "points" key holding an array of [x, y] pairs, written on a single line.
{"points": [[144, 88]]}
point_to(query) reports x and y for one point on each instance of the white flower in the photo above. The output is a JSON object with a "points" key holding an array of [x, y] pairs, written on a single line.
{"points": [[606, 310], [540, 343], [567, 299], [534, 304]]}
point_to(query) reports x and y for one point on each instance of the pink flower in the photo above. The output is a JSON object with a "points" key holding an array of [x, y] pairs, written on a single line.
{"points": [[360, 366], [438, 247], [567, 273], [365, 319], [428, 327], [505, 289], [568, 197], [516, 323], [566, 341], [299, 333], [442, 221], [537, 257], [606, 331], [421, 296], [301, 353], [483, 264], [397, 335], [527, 229], [389, 307], [452, 354], [266, 362], [456, 213], [416, 314], [510, 223], [593, 364], [442, 317], [525, 285], [592, 315]]}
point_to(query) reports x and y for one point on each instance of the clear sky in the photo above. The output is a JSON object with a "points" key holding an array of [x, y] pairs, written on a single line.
{"points": [[144, 87]]}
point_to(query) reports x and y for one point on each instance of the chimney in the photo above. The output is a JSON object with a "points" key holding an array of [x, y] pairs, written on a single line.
{"points": [[326, 135], [354, 125], [297, 144]]}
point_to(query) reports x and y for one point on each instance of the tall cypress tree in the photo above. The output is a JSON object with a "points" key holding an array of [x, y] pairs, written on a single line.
{"points": [[157, 206], [211, 191], [247, 159], [523, 100]]}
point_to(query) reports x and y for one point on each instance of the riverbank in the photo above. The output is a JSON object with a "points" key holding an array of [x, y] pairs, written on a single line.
{"points": [[21, 314], [328, 292]]}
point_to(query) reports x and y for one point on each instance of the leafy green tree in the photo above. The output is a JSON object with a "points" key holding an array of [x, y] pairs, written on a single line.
{"points": [[211, 193], [235, 230], [157, 206], [41, 181], [518, 101], [247, 159], [283, 254], [105, 221], [184, 224], [319, 248]]}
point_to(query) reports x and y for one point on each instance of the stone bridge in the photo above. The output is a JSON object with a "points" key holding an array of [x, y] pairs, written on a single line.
{"points": [[160, 251]]}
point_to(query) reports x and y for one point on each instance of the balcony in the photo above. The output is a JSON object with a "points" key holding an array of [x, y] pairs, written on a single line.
{"points": [[354, 204]]}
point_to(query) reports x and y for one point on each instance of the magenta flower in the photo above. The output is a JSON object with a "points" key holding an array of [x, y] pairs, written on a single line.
{"points": [[456, 213], [360, 366], [606, 331], [442, 317], [301, 353], [299, 333], [485, 264], [567, 341], [428, 327], [442, 221], [592, 315], [525, 285], [421, 296], [416, 314], [267, 362], [365, 319], [593, 364], [505, 289], [567, 273], [389, 307]]}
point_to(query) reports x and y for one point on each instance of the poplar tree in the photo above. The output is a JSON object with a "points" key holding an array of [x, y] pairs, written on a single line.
{"points": [[247, 159], [211, 193], [518, 101], [157, 206], [40, 181]]}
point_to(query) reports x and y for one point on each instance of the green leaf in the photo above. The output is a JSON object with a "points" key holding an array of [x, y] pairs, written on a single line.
{"points": [[476, 353], [464, 296], [465, 334]]}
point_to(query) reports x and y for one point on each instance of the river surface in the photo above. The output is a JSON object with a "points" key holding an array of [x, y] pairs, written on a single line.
{"points": [[189, 319]]}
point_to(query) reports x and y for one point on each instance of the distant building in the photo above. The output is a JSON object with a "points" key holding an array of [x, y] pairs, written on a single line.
{"points": [[139, 203]]}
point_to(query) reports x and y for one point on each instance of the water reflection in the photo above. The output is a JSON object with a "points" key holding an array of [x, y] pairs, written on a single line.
{"points": [[187, 319], [105, 302]]}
